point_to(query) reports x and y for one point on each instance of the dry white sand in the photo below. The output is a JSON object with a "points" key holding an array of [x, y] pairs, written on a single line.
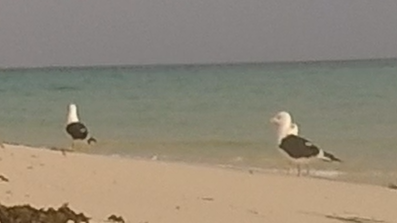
{"points": [[159, 192]]}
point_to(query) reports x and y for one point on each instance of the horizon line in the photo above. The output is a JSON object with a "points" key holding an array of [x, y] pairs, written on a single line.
{"points": [[191, 64]]}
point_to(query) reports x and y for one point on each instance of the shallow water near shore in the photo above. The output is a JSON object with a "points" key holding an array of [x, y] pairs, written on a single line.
{"points": [[215, 114]]}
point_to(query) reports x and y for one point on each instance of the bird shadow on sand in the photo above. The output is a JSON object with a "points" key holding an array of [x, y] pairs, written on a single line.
{"points": [[348, 218], [354, 219], [63, 151], [392, 186]]}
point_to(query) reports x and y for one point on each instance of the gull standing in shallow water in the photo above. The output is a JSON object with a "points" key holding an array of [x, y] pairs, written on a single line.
{"points": [[76, 129], [299, 150], [294, 129]]}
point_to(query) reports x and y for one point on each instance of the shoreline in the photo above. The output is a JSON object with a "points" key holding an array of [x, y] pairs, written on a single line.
{"points": [[158, 191], [317, 171]]}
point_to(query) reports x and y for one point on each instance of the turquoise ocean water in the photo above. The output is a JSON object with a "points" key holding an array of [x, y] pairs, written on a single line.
{"points": [[215, 114]]}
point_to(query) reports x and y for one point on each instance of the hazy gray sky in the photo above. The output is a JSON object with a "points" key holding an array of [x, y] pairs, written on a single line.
{"points": [[93, 32]]}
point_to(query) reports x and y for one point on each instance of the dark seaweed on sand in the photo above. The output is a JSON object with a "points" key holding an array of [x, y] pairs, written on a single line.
{"points": [[28, 214]]}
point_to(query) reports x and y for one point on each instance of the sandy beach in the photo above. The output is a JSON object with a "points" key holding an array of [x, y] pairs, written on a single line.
{"points": [[159, 192]]}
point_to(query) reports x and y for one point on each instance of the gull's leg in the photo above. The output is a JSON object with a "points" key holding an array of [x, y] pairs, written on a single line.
{"points": [[307, 169], [290, 167], [72, 147], [299, 170]]}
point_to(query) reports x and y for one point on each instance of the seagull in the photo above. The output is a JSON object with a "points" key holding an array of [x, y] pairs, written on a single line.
{"points": [[294, 129], [76, 129], [298, 149]]}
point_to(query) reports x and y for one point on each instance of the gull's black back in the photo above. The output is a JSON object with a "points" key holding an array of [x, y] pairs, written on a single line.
{"points": [[298, 147], [77, 130]]}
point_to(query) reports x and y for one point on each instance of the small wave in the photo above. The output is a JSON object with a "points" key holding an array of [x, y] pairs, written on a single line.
{"points": [[237, 159], [326, 173], [64, 88]]}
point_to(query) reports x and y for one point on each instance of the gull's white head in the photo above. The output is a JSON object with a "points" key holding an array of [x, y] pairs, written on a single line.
{"points": [[72, 114], [283, 122], [282, 119]]}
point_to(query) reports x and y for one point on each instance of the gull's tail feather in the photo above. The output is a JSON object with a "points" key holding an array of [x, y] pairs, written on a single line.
{"points": [[330, 157]]}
